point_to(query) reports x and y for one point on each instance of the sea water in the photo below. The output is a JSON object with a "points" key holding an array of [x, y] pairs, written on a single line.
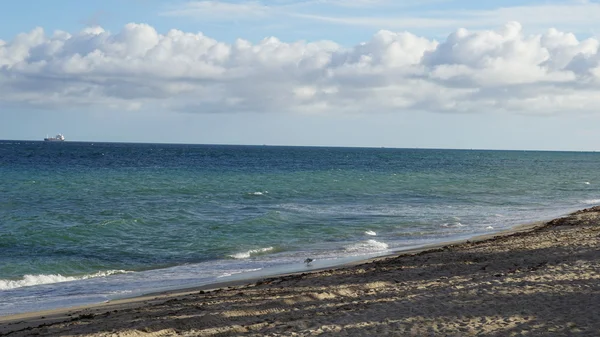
{"points": [[83, 223]]}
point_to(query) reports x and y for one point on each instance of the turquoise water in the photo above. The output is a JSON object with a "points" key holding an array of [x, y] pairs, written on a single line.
{"points": [[82, 223]]}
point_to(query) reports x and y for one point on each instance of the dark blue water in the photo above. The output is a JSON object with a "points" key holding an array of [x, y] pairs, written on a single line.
{"points": [[85, 222]]}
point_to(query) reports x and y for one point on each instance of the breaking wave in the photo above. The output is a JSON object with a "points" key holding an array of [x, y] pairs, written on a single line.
{"points": [[33, 280], [258, 193], [453, 225], [368, 246], [251, 252]]}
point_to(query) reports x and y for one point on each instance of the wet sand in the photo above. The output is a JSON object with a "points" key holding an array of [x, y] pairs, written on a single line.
{"points": [[541, 280]]}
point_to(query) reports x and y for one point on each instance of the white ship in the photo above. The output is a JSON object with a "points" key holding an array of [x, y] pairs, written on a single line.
{"points": [[57, 138]]}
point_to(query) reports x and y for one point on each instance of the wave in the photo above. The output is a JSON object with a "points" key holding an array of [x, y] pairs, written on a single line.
{"points": [[368, 246], [591, 201], [251, 252], [258, 193], [453, 225], [370, 233], [34, 280], [227, 274]]}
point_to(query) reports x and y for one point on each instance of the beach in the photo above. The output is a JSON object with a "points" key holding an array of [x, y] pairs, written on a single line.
{"points": [[535, 280]]}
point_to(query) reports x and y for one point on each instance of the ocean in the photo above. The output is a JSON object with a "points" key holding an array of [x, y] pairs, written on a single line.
{"points": [[83, 223]]}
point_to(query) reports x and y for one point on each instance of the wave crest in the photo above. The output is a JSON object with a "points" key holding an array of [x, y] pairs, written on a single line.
{"points": [[453, 225], [258, 193], [34, 280], [368, 246], [247, 254]]}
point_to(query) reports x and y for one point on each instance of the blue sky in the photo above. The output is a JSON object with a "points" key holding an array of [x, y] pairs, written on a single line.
{"points": [[290, 19], [432, 73]]}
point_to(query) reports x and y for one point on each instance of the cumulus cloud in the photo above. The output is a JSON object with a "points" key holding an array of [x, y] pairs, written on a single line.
{"points": [[139, 68]]}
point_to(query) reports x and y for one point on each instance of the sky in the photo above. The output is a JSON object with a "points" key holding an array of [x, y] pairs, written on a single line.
{"points": [[522, 75]]}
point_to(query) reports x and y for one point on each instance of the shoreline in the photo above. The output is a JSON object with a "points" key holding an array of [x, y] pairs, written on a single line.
{"points": [[332, 281], [236, 282]]}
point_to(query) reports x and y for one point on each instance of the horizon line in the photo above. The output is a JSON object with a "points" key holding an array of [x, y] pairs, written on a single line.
{"points": [[305, 146]]}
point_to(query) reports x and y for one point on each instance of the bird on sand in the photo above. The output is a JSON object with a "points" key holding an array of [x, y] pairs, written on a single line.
{"points": [[308, 261]]}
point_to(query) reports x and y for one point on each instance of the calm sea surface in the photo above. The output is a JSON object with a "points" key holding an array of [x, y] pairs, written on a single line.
{"points": [[87, 222]]}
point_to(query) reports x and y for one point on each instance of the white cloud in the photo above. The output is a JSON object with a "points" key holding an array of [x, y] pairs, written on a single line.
{"points": [[138, 68]]}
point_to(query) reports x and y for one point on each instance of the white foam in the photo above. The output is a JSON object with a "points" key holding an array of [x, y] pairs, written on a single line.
{"points": [[33, 280], [453, 225], [226, 274], [591, 201], [489, 227], [251, 252], [371, 233], [586, 182], [259, 193], [368, 246]]}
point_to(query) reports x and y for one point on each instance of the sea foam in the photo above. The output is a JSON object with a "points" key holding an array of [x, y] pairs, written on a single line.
{"points": [[251, 252], [453, 225], [231, 273], [591, 201], [33, 280], [368, 246], [259, 193]]}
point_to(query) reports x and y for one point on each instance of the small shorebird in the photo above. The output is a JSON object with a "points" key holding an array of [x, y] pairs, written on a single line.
{"points": [[308, 261]]}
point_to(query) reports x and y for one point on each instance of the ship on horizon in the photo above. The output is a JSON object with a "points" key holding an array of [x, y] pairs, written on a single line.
{"points": [[57, 138]]}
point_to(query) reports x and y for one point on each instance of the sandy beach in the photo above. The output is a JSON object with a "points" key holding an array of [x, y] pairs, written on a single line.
{"points": [[541, 280]]}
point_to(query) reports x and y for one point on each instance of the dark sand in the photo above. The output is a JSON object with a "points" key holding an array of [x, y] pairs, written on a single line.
{"points": [[541, 280]]}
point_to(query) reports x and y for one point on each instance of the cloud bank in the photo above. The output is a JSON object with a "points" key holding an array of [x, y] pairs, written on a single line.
{"points": [[138, 68]]}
